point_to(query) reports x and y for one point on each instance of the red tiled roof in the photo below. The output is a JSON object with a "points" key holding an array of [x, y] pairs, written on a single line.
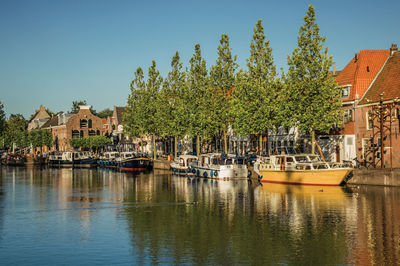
{"points": [[387, 82], [360, 72]]}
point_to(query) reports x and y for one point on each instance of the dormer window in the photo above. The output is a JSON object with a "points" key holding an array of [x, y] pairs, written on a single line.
{"points": [[345, 91]]}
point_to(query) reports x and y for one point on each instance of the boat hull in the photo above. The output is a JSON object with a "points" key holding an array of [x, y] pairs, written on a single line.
{"points": [[136, 165], [325, 177]]}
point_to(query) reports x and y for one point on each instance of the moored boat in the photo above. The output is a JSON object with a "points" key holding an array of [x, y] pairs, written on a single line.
{"points": [[133, 162], [302, 169], [182, 166], [84, 159], [108, 159], [217, 165], [61, 159]]}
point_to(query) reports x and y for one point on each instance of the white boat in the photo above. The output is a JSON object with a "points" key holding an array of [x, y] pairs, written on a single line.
{"points": [[217, 165], [303, 169], [182, 166]]}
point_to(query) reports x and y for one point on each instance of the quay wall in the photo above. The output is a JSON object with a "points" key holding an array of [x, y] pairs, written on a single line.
{"points": [[161, 164], [380, 177]]}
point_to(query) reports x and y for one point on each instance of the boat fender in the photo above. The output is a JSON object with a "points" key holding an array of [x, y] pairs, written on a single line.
{"points": [[216, 173], [198, 172], [193, 170], [205, 174], [248, 173], [211, 174]]}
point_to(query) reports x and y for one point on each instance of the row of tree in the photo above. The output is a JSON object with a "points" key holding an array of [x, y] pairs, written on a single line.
{"points": [[198, 102], [90, 142]]}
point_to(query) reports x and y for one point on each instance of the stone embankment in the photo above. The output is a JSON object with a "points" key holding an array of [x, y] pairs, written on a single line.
{"points": [[380, 177]]}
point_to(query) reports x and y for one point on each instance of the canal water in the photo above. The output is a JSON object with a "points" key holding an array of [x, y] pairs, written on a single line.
{"points": [[102, 217]]}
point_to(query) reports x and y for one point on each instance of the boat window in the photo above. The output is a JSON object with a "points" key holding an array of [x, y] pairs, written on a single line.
{"points": [[289, 159], [321, 166], [314, 158], [301, 159], [215, 161], [228, 161]]}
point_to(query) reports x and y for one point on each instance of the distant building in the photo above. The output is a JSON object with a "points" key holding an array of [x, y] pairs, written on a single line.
{"points": [[67, 126], [39, 118]]}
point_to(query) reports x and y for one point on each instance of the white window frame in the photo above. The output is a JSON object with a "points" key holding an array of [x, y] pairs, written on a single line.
{"points": [[367, 120], [346, 88]]}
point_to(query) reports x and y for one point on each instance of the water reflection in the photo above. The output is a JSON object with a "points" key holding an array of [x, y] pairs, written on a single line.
{"points": [[157, 217]]}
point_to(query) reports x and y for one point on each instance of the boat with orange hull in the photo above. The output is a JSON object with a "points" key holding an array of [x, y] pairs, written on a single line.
{"points": [[301, 170]]}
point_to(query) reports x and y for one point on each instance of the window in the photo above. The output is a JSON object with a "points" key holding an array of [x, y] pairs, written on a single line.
{"points": [[365, 147], [81, 134], [348, 116], [98, 132], [75, 133], [90, 123], [369, 120], [345, 91], [84, 123], [92, 133]]}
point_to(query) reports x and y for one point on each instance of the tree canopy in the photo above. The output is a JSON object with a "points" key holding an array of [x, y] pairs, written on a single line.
{"points": [[313, 100]]}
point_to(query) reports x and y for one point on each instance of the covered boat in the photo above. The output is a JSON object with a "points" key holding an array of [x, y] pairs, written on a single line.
{"points": [[217, 165], [182, 166]]}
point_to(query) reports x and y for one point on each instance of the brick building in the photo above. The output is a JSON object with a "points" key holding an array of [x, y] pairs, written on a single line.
{"points": [[354, 80], [385, 87], [66, 126]]}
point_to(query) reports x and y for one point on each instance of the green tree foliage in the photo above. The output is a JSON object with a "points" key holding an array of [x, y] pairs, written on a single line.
{"points": [[90, 142], [153, 85], [313, 100], [15, 128], [134, 117], [255, 100], [173, 110], [223, 81], [2, 121], [105, 113], [202, 119]]}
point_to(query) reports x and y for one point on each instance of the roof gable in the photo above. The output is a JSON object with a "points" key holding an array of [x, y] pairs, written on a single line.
{"points": [[387, 82], [361, 71]]}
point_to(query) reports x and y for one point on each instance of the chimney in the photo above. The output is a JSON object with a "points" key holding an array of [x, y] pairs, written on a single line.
{"points": [[393, 49], [333, 68], [355, 58]]}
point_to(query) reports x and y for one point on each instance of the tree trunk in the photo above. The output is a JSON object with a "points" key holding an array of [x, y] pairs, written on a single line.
{"points": [[225, 144], [267, 146], [261, 144], [154, 147], [141, 143], [198, 145], [176, 148], [312, 141]]}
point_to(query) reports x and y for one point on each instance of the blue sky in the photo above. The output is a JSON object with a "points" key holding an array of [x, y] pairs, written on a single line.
{"points": [[54, 52]]}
